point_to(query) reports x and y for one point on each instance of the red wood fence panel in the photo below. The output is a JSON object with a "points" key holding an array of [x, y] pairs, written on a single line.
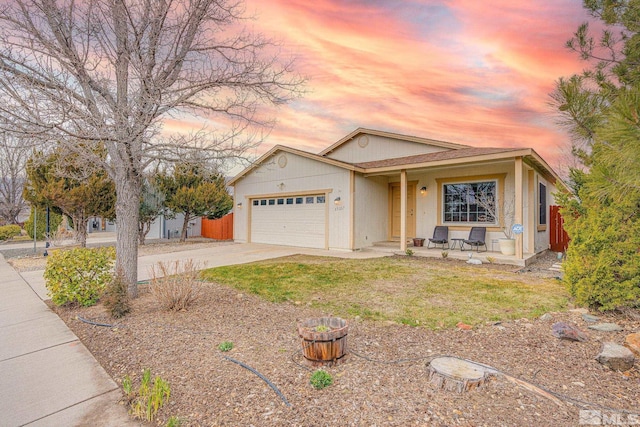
{"points": [[219, 229], [558, 238]]}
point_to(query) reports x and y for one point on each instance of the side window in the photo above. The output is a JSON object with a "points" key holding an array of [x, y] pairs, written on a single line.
{"points": [[542, 202]]}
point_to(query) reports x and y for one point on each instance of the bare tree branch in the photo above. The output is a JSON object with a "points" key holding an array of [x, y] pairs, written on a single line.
{"points": [[111, 71]]}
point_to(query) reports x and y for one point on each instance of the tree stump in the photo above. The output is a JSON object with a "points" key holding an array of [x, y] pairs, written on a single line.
{"points": [[459, 375]]}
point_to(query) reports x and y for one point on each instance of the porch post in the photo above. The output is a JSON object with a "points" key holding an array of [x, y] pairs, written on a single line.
{"points": [[403, 210], [518, 201]]}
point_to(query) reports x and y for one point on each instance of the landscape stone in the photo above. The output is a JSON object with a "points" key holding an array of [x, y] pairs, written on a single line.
{"points": [[606, 327], [616, 357], [464, 326], [589, 318], [632, 342], [546, 317], [565, 331]]}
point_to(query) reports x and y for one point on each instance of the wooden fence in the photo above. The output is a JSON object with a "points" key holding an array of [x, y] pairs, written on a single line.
{"points": [[558, 238], [219, 229]]}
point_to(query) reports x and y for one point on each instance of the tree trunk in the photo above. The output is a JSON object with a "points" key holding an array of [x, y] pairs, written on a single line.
{"points": [[143, 230], [141, 235], [127, 212], [185, 225], [80, 229]]}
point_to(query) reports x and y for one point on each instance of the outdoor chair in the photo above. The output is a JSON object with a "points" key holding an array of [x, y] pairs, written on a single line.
{"points": [[440, 236], [476, 238]]}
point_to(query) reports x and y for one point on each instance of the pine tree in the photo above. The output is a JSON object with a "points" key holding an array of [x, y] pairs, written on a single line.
{"points": [[601, 109]]}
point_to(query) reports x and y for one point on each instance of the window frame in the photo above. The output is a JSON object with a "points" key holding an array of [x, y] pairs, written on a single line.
{"points": [[499, 180], [466, 205], [542, 203]]}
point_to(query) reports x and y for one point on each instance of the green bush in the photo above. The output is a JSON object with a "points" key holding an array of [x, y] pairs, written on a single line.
{"points": [[9, 231], [41, 226], [321, 379], [79, 275], [602, 265]]}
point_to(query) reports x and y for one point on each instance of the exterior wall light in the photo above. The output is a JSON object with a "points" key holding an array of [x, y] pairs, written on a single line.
{"points": [[239, 205], [337, 201], [423, 190]]}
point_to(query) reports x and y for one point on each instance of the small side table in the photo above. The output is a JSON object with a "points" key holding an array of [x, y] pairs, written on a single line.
{"points": [[459, 242]]}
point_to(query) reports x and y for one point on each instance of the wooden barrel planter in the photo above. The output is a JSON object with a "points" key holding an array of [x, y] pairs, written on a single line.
{"points": [[324, 340]]}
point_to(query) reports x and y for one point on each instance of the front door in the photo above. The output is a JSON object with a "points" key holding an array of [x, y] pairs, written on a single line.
{"points": [[395, 210]]}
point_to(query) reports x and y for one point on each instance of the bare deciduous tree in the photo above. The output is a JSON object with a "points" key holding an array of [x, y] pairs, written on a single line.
{"points": [[13, 158], [111, 71]]}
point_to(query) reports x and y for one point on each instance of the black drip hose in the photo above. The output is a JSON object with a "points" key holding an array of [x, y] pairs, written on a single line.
{"points": [[284, 399], [91, 322]]}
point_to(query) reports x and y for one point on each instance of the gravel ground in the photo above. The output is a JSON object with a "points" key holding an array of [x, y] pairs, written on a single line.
{"points": [[383, 382]]}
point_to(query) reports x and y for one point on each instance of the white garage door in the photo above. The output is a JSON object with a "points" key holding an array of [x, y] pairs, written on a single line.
{"points": [[290, 221]]}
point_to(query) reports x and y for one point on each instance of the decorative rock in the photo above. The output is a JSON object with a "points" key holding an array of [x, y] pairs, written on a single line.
{"points": [[616, 357], [545, 317], [566, 331], [606, 327], [589, 318], [464, 326], [632, 342]]}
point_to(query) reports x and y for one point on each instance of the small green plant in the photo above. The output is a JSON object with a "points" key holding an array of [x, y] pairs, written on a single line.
{"points": [[9, 231], [225, 346], [409, 252], [116, 297], [127, 385], [173, 422], [322, 328], [445, 254], [491, 259], [79, 275], [151, 396], [321, 379]]}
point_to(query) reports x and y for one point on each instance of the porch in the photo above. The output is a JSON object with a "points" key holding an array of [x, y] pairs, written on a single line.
{"points": [[394, 247]]}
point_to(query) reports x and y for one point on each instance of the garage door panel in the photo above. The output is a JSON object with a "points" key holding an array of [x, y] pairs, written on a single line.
{"points": [[301, 224]]}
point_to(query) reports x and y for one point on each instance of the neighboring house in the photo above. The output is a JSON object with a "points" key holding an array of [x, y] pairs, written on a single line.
{"points": [[374, 186], [161, 228]]}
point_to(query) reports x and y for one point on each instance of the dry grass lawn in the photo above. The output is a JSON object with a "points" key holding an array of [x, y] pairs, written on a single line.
{"points": [[413, 291]]}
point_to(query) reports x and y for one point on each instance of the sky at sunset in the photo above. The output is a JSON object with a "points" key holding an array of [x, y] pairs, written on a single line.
{"points": [[475, 72]]}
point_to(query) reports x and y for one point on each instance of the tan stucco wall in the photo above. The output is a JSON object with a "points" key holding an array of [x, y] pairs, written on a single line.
{"points": [[371, 210], [299, 174], [378, 148]]}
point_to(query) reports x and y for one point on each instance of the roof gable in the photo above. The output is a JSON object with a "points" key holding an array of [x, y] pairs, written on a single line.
{"points": [[451, 154], [366, 132], [282, 148]]}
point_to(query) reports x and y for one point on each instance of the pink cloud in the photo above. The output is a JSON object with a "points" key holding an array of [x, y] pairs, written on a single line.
{"points": [[457, 70]]}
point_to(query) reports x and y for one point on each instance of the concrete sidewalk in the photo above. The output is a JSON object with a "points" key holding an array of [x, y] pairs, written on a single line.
{"points": [[48, 377]]}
